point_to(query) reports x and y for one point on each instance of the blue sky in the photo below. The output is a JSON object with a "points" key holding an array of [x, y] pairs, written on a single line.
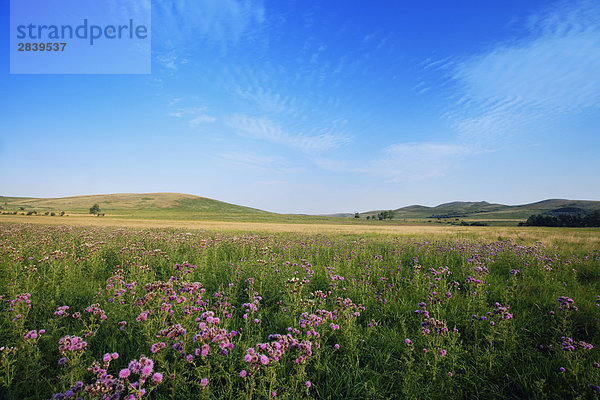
{"points": [[318, 107]]}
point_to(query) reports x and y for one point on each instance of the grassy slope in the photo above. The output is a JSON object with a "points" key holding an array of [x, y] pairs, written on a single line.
{"points": [[176, 206], [163, 205], [484, 210], [159, 206]]}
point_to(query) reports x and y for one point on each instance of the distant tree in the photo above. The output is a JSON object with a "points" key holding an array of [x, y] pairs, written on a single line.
{"points": [[62, 213], [368, 217], [95, 209], [385, 215], [356, 215], [565, 220], [22, 208]]}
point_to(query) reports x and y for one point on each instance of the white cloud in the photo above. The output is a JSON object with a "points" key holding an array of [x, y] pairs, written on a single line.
{"points": [[252, 161], [188, 24], [194, 122], [197, 115], [405, 161], [215, 21], [554, 71], [416, 161], [265, 129]]}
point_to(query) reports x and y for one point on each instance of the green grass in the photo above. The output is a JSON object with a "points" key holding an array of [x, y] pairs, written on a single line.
{"points": [[383, 278], [184, 207]]}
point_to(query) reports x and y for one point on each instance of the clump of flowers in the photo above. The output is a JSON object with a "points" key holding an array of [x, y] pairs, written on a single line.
{"points": [[20, 305], [20, 299], [430, 324], [251, 307], [210, 334], [156, 347], [266, 353], [498, 314], [62, 311], [71, 392], [566, 304], [502, 312], [96, 311], [71, 344], [33, 335], [172, 332], [568, 344]]}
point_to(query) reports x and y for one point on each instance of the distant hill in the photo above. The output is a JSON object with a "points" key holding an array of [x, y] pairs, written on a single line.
{"points": [[485, 210], [570, 211], [178, 206], [168, 205]]}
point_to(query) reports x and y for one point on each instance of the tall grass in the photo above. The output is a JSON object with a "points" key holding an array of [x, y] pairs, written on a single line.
{"points": [[170, 314]]}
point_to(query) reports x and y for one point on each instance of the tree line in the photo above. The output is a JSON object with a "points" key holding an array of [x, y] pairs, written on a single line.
{"points": [[564, 220]]}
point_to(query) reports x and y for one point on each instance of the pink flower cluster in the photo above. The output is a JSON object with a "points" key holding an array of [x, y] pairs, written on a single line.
{"points": [[172, 332], [265, 353], [62, 311], [73, 344], [96, 311]]}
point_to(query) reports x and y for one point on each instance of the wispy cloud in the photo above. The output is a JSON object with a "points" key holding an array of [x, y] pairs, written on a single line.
{"points": [[416, 161], [554, 71], [266, 99], [195, 115], [185, 24], [258, 162], [402, 162], [261, 128]]}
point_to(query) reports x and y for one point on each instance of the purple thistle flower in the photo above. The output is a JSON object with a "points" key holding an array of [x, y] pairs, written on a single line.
{"points": [[146, 371], [157, 378], [124, 373]]}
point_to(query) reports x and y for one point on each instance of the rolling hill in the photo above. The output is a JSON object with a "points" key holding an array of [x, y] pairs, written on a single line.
{"points": [[144, 205], [178, 206], [485, 210]]}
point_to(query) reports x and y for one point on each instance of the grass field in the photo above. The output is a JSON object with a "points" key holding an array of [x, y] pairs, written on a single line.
{"points": [[583, 239], [409, 312], [185, 207]]}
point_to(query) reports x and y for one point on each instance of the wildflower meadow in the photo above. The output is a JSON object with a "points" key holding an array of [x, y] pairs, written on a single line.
{"points": [[110, 313]]}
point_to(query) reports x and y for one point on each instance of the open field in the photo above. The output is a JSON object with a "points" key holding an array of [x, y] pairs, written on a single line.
{"points": [[185, 207], [209, 311], [582, 238]]}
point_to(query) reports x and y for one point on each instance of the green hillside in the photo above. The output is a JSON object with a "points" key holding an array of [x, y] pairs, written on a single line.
{"points": [[145, 205], [177, 206], [484, 210]]}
